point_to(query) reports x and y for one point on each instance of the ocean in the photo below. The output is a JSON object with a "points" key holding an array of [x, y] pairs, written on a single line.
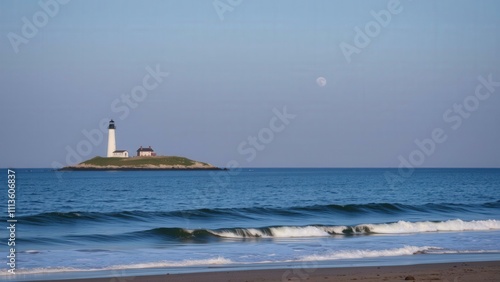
{"points": [[117, 223]]}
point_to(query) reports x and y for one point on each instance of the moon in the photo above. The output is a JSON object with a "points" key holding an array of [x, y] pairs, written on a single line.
{"points": [[321, 81]]}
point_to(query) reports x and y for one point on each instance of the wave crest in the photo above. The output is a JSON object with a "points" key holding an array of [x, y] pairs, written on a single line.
{"points": [[429, 226], [400, 227]]}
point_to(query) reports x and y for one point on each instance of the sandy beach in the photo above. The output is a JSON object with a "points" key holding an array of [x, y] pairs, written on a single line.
{"points": [[452, 272]]}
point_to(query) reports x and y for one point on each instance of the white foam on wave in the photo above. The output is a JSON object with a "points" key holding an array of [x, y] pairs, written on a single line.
{"points": [[306, 231], [445, 251], [429, 226], [356, 254], [278, 232], [31, 252], [159, 264], [400, 227], [240, 233], [335, 255], [199, 262]]}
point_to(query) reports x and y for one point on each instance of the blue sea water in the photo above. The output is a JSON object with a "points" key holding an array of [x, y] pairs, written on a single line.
{"points": [[115, 223]]}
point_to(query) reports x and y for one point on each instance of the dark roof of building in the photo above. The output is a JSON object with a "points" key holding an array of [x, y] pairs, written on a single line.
{"points": [[111, 124], [145, 149], [119, 151]]}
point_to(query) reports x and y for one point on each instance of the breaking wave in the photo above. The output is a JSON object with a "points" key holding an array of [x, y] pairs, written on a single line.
{"points": [[400, 227]]}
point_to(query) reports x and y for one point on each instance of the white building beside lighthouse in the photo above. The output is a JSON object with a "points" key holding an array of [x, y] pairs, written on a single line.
{"points": [[146, 152], [112, 152]]}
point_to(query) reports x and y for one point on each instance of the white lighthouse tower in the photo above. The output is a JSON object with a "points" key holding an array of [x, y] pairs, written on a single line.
{"points": [[111, 139]]}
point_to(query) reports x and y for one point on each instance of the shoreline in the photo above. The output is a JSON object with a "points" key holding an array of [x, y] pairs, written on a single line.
{"points": [[449, 271], [135, 168]]}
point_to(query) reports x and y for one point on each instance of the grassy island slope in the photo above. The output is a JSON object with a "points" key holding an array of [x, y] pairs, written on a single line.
{"points": [[141, 163]]}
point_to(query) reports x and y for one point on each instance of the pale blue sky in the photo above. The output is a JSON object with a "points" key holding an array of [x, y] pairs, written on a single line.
{"points": [[226, 76]]}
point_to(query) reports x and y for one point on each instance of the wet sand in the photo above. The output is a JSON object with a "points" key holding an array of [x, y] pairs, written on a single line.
{"points": [[452, 272]]}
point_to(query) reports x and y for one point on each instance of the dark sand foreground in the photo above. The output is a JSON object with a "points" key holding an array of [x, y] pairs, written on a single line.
{"points": [[452, 272]]}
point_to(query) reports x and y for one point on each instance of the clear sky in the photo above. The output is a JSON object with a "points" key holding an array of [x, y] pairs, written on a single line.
{"points": [[67, 66]]}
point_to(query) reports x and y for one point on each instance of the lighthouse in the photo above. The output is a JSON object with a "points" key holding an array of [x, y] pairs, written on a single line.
{"points": [[112, 151], [111, 139]]}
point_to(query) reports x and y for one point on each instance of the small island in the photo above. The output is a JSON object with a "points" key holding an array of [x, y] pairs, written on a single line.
{"points": [[141, 163], [146, 159]]}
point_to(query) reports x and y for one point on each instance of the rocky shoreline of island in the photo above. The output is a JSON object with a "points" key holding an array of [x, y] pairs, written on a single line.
{"points": [[74, 168], [132, 168]]}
